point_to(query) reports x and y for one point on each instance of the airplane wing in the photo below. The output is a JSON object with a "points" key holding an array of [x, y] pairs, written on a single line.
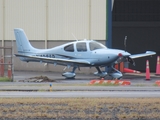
{"points": [[131, 57], [148, 53], [55, 60]]}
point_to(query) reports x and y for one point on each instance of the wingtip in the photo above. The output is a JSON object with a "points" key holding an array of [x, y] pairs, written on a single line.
{"points": [[151, 52]]}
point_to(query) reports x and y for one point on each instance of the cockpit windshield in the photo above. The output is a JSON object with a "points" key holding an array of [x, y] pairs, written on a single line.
{"points": [[96, 45]]}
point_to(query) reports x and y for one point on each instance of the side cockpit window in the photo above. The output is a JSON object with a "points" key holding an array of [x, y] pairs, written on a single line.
{"points": [[81, 47], [69, 48]]}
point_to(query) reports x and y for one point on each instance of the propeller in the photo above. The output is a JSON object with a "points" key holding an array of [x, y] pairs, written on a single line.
{"points": [[125, 43], [130, 60]]}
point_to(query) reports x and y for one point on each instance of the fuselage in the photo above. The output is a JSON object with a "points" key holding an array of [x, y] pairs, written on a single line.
{"points": [[84, 53], [94, 52]]}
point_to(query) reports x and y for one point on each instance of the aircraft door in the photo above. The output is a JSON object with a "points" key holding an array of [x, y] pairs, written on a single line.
{"points": [[82, 49]]}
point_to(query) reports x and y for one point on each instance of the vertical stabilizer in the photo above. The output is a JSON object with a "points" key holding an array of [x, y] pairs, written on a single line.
{"points": [[22, 42]]}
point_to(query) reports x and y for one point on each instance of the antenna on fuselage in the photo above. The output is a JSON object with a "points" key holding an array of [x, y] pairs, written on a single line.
{"points": [[74, 36], [125, 43]]}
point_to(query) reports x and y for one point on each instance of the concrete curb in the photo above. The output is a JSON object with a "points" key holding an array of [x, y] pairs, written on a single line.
{"points": [[81, 88]]}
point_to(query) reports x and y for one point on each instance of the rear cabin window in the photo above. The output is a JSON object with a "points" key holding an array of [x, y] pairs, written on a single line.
{"points": [[69, 48], [81, 47]]}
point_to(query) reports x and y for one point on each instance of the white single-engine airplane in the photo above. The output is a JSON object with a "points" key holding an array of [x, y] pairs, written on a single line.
{"points": [[83, 53]]}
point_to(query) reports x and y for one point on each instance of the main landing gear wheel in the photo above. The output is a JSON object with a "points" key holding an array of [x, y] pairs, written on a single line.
{"points": [[70, 75]]}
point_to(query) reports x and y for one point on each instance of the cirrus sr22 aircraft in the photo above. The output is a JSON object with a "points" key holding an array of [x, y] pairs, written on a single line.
{"points": [[83, 53]]}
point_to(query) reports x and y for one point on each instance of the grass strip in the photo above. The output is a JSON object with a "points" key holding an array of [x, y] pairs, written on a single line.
{"points": [[5, 79], [80, 108]]}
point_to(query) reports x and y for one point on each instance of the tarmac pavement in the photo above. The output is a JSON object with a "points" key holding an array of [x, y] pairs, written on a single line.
{"points": [[78, 87], [86, 94], [81, 82], [84, 78]]}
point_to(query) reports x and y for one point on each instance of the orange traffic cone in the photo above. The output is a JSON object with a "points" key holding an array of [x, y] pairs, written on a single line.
{"points": [[147, 70], [127, 70], [158, 66], [121, 67], [116, 66]]}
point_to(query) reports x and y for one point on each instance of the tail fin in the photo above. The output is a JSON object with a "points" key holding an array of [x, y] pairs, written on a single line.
{"points": [[22, 42]]}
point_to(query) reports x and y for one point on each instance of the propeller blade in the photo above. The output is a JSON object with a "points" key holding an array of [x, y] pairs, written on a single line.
{"points": [[125, 43]]}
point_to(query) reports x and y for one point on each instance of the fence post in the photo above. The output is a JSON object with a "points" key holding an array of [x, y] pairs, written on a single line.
{"points": [[9, 70], [2, 67]]}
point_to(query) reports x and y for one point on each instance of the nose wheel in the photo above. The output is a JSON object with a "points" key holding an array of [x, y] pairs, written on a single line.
{"points": [[115, 74]]}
